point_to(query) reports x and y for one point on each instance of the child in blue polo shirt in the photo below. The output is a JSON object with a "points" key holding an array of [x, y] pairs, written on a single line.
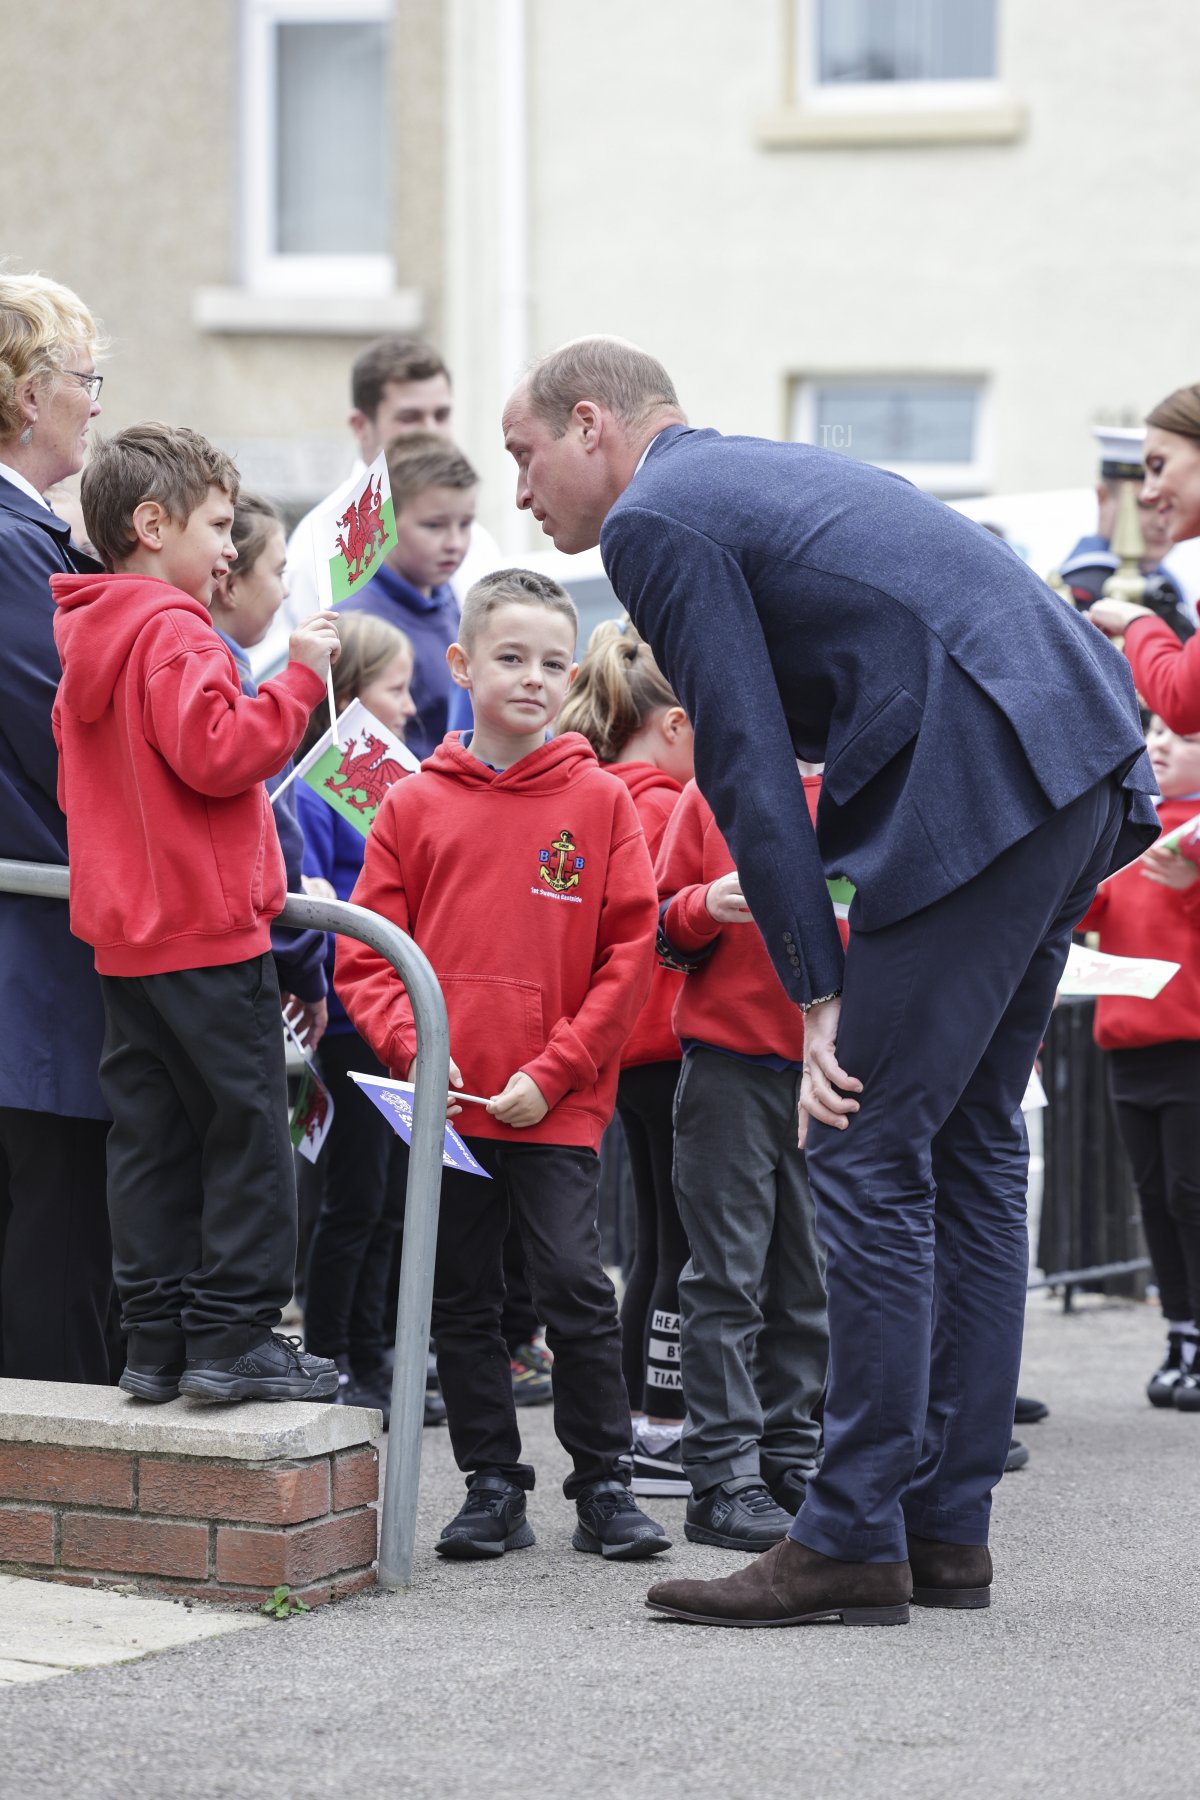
{"points": [[433, 495]]}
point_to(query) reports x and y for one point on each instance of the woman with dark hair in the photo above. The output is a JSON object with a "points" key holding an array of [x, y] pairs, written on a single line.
{"points": [[55, 1254], [1166, 672]]}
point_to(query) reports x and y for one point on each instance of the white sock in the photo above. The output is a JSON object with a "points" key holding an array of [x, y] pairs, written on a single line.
{"points": [[655, 1438]]}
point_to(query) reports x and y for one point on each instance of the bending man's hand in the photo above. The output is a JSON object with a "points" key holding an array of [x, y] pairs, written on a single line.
{"points": [[823, 1074]]}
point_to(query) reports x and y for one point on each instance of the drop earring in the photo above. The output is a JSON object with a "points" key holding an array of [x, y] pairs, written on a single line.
{"points": [[27, 435]]}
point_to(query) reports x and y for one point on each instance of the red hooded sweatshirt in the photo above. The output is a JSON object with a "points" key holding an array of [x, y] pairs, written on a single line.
{"points": [[1136, 917], [531, 892], [734, 1000], [656, 795], [175, 863]]}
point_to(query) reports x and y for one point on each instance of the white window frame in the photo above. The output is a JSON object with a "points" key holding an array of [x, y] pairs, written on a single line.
{"points": [[952, 480], [265, 269], [815, 96]]}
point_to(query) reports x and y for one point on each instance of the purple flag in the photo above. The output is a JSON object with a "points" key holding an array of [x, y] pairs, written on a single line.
{"points": [[395, 1101]]}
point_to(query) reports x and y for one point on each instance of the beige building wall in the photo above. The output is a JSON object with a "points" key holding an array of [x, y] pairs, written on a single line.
{"points": [[562, 166], [119, 137], [1059, 263]]}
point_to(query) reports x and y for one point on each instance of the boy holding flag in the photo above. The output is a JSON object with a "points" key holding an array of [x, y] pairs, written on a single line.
{"points": [[521, 870], [176, 874]]}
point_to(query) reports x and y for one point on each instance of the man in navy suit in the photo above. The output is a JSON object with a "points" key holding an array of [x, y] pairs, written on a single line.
{"points": [[984, 769]]}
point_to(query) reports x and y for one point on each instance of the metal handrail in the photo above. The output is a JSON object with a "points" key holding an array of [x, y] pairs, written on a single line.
{"points": [[398, 1526]]}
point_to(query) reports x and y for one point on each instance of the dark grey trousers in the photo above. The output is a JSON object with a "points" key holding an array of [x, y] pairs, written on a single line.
{"points": [[752, 1297]]}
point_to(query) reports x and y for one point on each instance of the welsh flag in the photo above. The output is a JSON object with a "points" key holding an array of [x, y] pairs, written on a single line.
{"points": [[352, 532], [312, 1114], [353, 773], [841, 892]]}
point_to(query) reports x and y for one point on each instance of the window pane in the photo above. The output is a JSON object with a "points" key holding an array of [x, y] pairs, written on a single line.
{"points": [[905, 40], [332, 141], [929, 423]]}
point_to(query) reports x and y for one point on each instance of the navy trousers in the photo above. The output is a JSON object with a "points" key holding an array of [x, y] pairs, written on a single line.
{"points": [[921, 1200]]}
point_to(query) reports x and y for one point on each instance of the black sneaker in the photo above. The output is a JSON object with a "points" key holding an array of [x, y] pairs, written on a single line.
{"points": [[1186, 1394], [788, 1490], [1028, 1411], [532, 1384], [737, 1515], [613, 1525], [1160, 1389], [1017, 1456], [659, 1471], [155, 1385], [277, 1369], [490, 1521], [373, 1390]]}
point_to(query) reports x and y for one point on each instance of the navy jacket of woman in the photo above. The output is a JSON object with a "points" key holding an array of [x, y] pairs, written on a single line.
{"points": [[51, 1021]]}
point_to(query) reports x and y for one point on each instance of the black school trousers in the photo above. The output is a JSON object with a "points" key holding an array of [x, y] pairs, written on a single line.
{"points": [[551, 1190], [1156, 1097], [201, 1184], [55, 1252]]}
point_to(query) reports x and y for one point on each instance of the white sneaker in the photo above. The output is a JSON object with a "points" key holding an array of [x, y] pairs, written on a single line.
{"points": [[659, 1471]]}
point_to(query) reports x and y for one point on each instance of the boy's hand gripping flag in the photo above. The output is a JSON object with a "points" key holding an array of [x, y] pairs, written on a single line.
{"points": [[354, 770], [352, 532], [395, 1101]]}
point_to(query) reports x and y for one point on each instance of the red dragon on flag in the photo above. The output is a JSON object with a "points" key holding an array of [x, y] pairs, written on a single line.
{"points": [[361, 530]]}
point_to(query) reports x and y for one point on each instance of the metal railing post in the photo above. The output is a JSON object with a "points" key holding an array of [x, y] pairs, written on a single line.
{"points": [[398, 1526]]}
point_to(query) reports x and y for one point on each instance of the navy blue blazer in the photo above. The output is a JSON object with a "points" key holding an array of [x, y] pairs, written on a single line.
{"points": [[51, 1019], [804, 605]]}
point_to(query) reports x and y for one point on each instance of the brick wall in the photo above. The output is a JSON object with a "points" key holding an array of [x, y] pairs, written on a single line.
{"points": [[194, 1527]]}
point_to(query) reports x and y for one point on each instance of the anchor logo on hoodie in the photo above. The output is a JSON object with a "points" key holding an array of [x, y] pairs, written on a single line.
{"points": [[560, 858]]}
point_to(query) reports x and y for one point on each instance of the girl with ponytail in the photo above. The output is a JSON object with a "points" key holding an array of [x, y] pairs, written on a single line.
{"points": [[623, 705]]}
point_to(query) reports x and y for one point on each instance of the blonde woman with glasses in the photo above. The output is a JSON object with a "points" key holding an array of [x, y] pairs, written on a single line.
{"points": [[55, 1256]]}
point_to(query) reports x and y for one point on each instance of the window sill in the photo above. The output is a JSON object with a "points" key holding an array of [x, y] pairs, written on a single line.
{"points": [[1002, 123], [244, 310]]}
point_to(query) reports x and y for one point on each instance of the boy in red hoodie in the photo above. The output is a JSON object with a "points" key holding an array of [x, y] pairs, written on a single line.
{"points": [[176, 874], [753, 1323], [521, 870]]}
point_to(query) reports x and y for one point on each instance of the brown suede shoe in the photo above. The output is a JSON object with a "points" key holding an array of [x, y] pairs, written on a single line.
{"points": [[790, 1584], [950, 1574]]}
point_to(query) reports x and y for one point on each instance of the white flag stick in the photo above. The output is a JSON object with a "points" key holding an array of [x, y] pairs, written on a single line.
{"points": [[285, 785], [333, 714], [291, 1031]]}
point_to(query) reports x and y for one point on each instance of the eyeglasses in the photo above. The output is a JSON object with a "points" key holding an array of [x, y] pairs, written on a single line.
{"points": [[93, 383]]}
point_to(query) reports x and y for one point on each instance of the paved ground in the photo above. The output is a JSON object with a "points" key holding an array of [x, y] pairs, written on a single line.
{"points": [[47, 1629], [545, 1675]]}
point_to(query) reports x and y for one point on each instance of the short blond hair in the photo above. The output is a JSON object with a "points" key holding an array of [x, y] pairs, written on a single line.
{"points": [[425, 459], [632, 385], [167, 463], [41, 321], [513, 587]]}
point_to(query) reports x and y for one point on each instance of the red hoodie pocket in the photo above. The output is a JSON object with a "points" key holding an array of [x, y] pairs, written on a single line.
{"points": [[495, 1025]]}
